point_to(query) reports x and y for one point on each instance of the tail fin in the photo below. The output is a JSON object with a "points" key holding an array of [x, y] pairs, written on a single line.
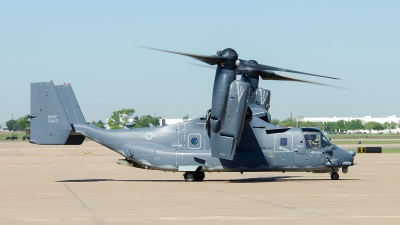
{"points": [[70, 104], [54, 109]]}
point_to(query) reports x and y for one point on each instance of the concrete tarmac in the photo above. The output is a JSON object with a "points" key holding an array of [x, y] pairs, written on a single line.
{"points": [[84, 185]]}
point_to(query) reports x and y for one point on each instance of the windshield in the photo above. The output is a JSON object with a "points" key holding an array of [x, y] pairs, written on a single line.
{"points": [[325, 141], [314, 139]]}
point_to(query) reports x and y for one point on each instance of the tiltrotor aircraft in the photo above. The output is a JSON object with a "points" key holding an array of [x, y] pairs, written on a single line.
{"points": [[234, 136]]}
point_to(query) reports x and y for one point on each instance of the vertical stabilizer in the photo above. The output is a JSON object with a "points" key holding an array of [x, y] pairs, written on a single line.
{"points": [[70, 104], [50, 122]]}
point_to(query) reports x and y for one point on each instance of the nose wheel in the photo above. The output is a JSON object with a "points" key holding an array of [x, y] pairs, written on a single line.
{"points": [[334, 176], [194, 176]]}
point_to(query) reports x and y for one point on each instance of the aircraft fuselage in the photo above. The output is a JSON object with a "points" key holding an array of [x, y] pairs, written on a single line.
{"points": [[185, 147]]}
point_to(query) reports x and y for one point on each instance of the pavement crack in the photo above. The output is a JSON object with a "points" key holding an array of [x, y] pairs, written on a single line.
{"points": [[94, 216], [294, 209]]}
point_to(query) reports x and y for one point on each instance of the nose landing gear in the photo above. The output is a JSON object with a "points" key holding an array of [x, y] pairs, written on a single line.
{"points": [[334, 176]]}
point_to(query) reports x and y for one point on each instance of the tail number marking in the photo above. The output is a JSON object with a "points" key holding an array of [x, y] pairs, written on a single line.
{"points": [[52, 119]]}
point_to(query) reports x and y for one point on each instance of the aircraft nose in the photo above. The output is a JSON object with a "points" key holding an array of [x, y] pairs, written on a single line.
{"points": [[352, 153], [348, 158]]}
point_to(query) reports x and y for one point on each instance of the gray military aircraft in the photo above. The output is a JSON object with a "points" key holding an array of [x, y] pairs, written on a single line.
{"points": [[234, 136]]}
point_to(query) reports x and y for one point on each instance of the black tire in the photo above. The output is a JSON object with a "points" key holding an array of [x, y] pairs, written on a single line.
{"points": [[189, 176], [200, 176], [334, 176]]}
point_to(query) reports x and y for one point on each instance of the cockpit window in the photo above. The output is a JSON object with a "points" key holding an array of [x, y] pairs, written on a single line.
{"points": [[314, 139], [325, 141]]}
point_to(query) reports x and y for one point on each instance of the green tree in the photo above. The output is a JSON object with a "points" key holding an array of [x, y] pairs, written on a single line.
{"points": [[306, 124], [144, 121], [99, 124], [12, 125], [320, 125], [340, 125], [378, 126], [23, 123], [119, 118], [330, 127], [373, 126], [369, 126], [312, 124], [388, 125], [186, 118], [275, 121], [354, 125], [289, 122]]}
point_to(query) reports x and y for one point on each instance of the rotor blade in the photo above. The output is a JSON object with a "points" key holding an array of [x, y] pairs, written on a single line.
{"points": [[244, 65], [271, 68], [238, 72], [269, 75], [205, 66], [211, 60]]}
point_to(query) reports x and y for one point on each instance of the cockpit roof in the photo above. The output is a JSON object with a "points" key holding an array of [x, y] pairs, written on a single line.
{"points": [[311, 129]]}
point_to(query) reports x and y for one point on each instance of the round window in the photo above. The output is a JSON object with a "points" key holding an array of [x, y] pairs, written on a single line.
{"points": [[194, 141]]}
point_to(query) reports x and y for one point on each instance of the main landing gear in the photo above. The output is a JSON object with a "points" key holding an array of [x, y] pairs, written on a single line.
{"points": [[334, 176], [194, 176]]}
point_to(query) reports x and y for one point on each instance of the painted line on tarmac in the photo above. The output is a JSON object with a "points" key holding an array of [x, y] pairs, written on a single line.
{"points": [[367, 216], [229, 218], [272, 217]]}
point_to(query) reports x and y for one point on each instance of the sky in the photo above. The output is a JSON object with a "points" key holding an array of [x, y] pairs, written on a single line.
{"points": [[93, 46]]}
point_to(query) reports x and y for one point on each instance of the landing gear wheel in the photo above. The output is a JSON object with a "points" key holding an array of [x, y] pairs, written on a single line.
{"points": [[189, 176], [334, 176], [200, 176]]}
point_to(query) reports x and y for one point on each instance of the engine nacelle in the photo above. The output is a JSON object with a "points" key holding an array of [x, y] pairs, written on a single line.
{"points": [[224, 143], [262, 97], [222, 82]]}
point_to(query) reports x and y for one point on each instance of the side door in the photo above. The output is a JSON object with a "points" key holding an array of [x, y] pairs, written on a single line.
{"points": [[181, 143], [283, 149], [299, 151]]}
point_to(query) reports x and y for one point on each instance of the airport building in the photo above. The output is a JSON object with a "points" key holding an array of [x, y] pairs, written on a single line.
{"points": [[364, 119]]}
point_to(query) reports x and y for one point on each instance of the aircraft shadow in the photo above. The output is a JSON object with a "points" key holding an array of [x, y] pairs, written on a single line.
{"points": [[281, 179], [247, 180]]}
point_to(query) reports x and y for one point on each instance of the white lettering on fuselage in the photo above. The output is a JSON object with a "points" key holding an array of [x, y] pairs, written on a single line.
{"points": [[315, 152], [52, 119]]}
